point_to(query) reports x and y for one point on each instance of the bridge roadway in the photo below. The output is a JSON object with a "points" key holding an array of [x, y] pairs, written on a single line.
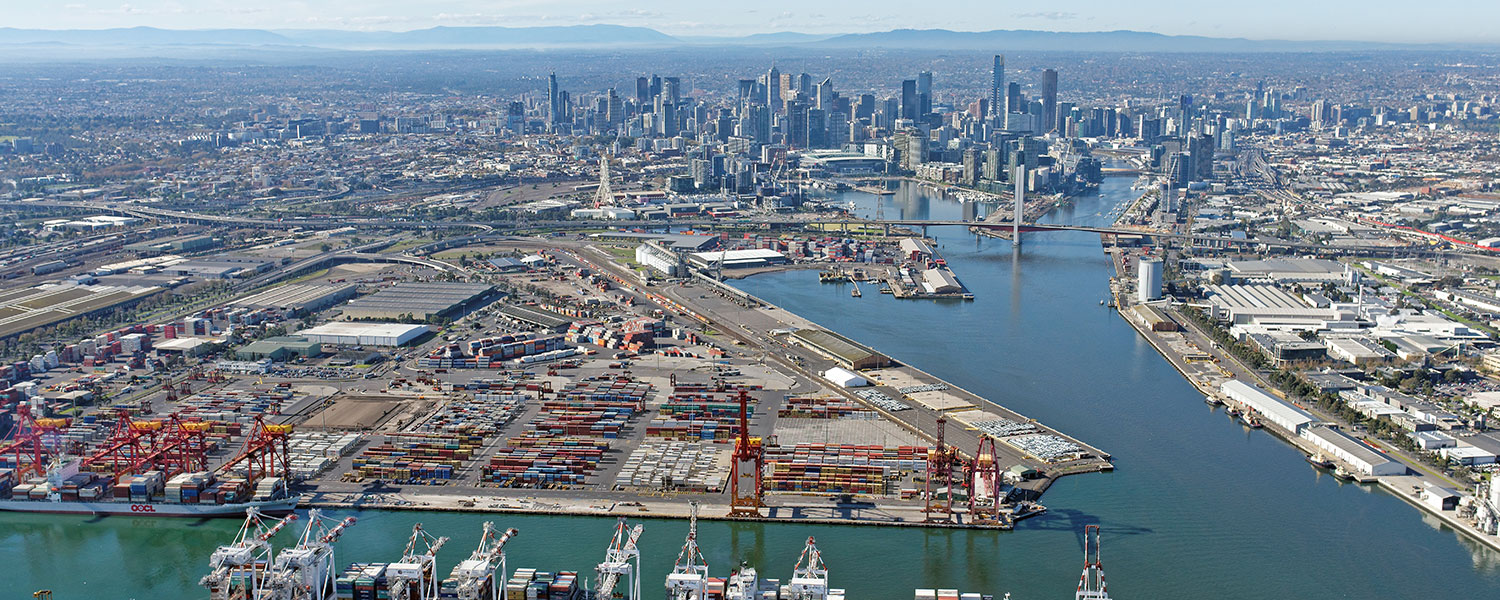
{"points": [[521, 225]]}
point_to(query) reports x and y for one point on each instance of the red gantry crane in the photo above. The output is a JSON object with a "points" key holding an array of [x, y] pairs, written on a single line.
{"points": [[1091, 583], [940, 463], [984, 485], [264, 452], [34, 442], [745, 495]]}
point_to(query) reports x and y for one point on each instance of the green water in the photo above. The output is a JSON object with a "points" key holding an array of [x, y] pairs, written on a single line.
{"points": [[1199, 506]]}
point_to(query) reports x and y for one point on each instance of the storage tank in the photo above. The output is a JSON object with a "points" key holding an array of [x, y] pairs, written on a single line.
{"points": [[1151, 280]]}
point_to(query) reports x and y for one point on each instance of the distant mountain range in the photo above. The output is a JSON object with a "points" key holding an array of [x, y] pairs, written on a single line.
{"points": [[580, 36]]}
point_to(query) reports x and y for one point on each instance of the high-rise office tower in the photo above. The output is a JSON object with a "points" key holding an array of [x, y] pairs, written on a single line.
{"points": [[672, 87], [997, 86], [642, 91], [909, 99], [747, 88], [1184, 116], [773, 89], [554, 110], [1013, 98], [924, 92], [825, 94], [1049, 100]]}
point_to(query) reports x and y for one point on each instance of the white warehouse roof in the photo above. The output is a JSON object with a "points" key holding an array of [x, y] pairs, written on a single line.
{"points": [[373, 334], [1269, 407]]}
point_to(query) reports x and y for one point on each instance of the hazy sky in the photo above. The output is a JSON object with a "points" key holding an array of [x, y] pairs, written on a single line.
{"points": [[1373, 20]]}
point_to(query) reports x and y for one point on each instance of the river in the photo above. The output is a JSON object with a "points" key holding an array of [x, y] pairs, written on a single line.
{"points": [[1198, 507]]}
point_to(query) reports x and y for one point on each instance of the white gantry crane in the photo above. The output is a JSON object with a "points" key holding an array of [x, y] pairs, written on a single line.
{"points": [[809, 577], [415, 577], [617, 563], [306, 571], [235, 569], [1091, 583], [689, 577], [473, 574]]}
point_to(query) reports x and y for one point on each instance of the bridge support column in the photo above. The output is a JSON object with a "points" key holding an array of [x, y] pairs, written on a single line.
{"points": [[924, 232], [1015, 225], [886, 230]]}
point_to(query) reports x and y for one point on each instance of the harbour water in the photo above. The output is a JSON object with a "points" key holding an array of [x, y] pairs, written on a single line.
{"points": [[1199, 506]]}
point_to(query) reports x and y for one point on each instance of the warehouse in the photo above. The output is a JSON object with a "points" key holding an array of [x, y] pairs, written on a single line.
{"points": [[536, 317], [185, 346], [737, 259], [300, 297], [1268, 407], [849, 353], [416, 300], [281, 349], [940, 281], [1350, 451], [845, 378], [364, 334], [1266, 305], [1284, 270], [1358, 351]]}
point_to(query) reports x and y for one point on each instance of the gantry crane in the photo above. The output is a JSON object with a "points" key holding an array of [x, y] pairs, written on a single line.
{"points": [[35, 441], [940, 463], [810, 576], [689, 577], [171, 445], [617, 563], [984, 484], [263, 453], [479, 568], [1091, 583], [306, 571], [236, 570], [417, 569], [748, 464]]}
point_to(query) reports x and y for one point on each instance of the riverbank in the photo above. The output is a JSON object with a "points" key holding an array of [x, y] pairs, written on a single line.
{"points": [[1404, 487]]}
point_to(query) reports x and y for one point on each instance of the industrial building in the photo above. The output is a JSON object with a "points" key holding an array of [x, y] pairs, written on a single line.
{"points": [[25, 309], [940, 281], [364, 334], [1352, 452], [536, 317], [661, 258], [416, 300], [737, 259], [187, 243], [1269, 408], [1151, 280], [300, 297], [1269, 306], [1358, 351], [849, 353], [281, 349], [845, 378], [1285, 270]]}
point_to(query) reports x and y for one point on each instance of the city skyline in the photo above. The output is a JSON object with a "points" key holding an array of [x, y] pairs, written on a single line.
{"points": [[1329, 21]]}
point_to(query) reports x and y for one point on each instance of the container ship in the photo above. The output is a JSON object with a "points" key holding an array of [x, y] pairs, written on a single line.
{"points": [[144, 468]]}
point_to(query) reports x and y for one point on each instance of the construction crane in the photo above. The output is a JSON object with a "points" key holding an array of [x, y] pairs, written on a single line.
{"points": [[748, 463], [1091, 583], [984, 485], [417, 569], [478, 571], [689, 577], [622, 550], [306, 571], [237, 570], [264, 451], [33, 443], [810, 576], [940, 462]]}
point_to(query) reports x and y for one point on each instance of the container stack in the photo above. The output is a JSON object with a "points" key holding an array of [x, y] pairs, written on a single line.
{"points": [[417, 457], [841, 468], [483, 415], [311, 453], [823, 407], [686, 466], [187, 488], [493, 353], [544, 462], [142, 488], [362, 581], [530, 584]]}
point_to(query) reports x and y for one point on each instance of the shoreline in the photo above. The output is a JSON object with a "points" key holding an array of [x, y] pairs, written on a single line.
{"points": [[1386, 483]]}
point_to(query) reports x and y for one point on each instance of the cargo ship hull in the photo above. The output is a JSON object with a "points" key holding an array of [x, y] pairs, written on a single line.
{"points": [[150, 509]]}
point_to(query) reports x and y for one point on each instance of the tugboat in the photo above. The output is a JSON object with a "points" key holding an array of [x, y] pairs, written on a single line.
{"points": [[1320, 461], [1213, 401], [1342, 475], [1234, 411], [1250, 421]]}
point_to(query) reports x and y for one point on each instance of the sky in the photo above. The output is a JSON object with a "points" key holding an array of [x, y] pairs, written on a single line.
{"points": [[1364, 20]]}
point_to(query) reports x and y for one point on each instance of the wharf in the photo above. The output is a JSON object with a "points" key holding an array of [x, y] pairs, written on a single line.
{"points": [[901, 291], [1207, 375]]}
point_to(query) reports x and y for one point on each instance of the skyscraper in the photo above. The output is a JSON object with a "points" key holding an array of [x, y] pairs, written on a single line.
{"points": [[1184, 115], [997, 87], [1049, 100], [554, 110], [924, 92], [825, 94], [773, 89], [909, 99]]}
